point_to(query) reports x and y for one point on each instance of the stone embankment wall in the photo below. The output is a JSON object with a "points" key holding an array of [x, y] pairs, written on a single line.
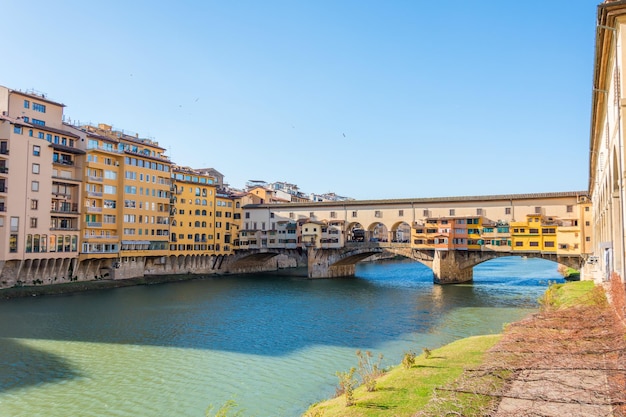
{"points": [[20, 273]]}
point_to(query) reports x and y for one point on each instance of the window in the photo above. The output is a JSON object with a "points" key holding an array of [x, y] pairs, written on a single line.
{"points": [[33, 222], [34, 186], [587, 223], [570, 209], [41, 108], [38, 122], [36, 168], [507, 210], [519, 243], [15, 224], [479, 212], [26, 104], [400, 213], [587, 208], [17, 129], [537, 210], [36, 150], [378, 213], [548, 244], [34, 204], [333, 214], [13, 244], [534, 243], [452, 211], [354, 214]]}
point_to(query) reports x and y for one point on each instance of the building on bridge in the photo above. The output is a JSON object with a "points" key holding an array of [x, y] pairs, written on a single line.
{"points": [[550, 223]]}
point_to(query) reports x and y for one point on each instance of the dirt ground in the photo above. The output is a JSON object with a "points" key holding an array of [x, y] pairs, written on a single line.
{"points": [[568, 362]]}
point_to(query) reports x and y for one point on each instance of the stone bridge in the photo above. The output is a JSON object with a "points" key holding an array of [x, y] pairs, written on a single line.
{"points": [[449, 266]]}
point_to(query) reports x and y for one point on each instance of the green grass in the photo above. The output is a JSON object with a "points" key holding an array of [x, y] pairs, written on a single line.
{"points": [[402, 392], [571, 294]]}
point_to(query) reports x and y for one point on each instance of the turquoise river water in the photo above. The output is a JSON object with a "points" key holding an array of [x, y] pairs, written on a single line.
{"points": [[270, 342]]}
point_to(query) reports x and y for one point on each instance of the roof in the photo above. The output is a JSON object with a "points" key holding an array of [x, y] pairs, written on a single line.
{"points": [[422, 201]]}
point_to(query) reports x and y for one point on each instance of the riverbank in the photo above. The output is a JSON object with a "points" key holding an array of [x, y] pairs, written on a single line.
{"points": [[80, 286], [535, 366]]}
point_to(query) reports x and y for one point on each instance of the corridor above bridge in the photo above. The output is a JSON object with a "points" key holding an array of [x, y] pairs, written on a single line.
{"points": [[543, 224]]}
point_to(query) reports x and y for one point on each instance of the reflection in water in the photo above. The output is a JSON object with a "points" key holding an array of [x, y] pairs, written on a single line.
{"points": [[270, 342]]}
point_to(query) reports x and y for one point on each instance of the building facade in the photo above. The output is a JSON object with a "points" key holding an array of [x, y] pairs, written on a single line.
{"points": [[607, 185], [41, 165]]}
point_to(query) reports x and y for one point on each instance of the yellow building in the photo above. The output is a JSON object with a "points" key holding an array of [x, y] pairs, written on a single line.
{"points": [[193, 199], [226, 228], [536, 234], [127, 199]]}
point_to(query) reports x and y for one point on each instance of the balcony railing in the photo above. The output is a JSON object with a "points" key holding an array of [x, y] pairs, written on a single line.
{"points": [[94, 209], [100, 237], [94, 193], [4, 170], [94, 224], [4, 189], [64, 162], [71, 208], [96, 179], [4, 151]]}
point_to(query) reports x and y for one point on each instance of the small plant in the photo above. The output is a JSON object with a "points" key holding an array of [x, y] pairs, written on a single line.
{"points": [[228, 409], [408, 360], [347, 383], [314, 413], [427, 353], [368, 369]]}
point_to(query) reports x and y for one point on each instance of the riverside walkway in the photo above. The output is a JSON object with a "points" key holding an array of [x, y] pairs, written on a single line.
{"points": [[558, 362]]}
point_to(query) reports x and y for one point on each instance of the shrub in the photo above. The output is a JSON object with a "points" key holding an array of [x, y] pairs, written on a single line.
{"points": [[409, 359], [369, 370], [427, 353], [347, 383]]}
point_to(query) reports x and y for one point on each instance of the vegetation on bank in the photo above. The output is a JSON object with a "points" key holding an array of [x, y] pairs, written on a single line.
{"points": [[409, 389], [571, 294], [402, 390]]}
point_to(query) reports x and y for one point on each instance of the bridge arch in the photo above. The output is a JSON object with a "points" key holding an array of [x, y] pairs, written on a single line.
{"points": [[377, 232], [401, 232]]}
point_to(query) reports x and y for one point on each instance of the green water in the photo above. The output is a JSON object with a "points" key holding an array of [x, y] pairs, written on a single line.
{"points": [[272, 343]]}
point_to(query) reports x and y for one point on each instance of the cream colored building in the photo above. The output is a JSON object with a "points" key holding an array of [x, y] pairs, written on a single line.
{"points": [[607, 182], [40, 165], [395, 220]]}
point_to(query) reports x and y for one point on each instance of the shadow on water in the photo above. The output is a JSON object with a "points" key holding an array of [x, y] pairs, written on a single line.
{"points": [[263, 314], [22, 366]]}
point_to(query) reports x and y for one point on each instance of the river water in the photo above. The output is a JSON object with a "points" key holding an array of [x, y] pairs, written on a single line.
{"points": [[270, 342]]}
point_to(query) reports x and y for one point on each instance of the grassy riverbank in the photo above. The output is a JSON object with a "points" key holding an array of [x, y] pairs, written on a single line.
{"points": [[400, 392], [405, 392]]}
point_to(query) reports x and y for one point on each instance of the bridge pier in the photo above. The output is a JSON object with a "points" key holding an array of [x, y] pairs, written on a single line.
{"points": [[448, 269]]}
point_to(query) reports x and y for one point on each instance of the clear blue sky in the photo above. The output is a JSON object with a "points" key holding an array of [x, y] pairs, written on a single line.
{"points": [[368, 99]]}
